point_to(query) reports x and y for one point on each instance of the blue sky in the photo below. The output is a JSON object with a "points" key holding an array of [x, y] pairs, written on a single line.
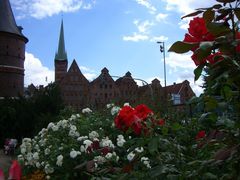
{"points": [[118, 34]]}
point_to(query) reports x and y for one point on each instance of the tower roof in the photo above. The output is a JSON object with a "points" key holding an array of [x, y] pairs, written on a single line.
{"points": [[61, 53], [7, 20]]}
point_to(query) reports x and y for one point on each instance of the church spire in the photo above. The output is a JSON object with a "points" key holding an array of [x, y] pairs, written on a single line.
{"points": [[7, 20], [61, 53]]}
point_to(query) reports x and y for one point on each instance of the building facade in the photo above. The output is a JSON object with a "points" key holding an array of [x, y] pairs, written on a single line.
{"points": [[77, 92], [12, 53]]}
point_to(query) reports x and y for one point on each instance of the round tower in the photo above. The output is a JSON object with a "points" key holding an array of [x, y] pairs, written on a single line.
{"points": [[12, 53]]}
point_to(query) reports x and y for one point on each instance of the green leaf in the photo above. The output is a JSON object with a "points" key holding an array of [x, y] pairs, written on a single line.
{"points": [[208, 15], [225, 1], [226, 91], [198, 72], [209, 175], [218, 29], [237, 13], [192, 14], [206, 45], [216, 6], [176, 126], [181, 47], [202, 53], [164, 130], [153, 145]]}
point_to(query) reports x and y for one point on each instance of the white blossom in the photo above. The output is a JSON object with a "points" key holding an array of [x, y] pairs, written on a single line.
{"points": [[130, 156], [50, 125], [108, 155], [47, 151], [92, 135], [146, 162], [55, 128], [110, 105], [106, 142], [99, 159], [82, 138], [48, 169], [59, 160], [38, 165], [35, 156], [73, 154], [86, 110], [120, 140], [139, 149], [115, 110]]}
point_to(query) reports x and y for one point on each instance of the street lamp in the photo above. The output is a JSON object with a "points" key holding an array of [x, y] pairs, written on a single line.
{"points": [[162, 50]]}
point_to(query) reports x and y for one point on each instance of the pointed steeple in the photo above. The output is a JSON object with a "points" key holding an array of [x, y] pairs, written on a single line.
{"points": [[61, 53], [7, 20]]}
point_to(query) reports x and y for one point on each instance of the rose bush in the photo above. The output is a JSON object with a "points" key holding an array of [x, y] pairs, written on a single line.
{"points": [[134, 143]]}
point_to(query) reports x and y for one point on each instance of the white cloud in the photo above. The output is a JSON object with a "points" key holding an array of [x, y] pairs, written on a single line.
{"points": [[196, 86], [143, 27], [186, 6], [35, 72], [148, 5], [88, 73], [136, 37], [161, 17], [184, 24], [44, 8], [180, 61]]}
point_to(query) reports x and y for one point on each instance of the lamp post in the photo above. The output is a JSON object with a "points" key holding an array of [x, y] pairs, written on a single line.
{"points": [[162, 50]]}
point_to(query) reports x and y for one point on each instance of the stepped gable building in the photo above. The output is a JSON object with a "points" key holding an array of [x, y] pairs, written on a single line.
{"points": [[128, 89], [77, 92], [12, 53], [103, 90]]}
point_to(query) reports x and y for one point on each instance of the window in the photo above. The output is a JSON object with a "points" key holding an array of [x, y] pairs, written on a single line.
{"points": [[176, 99], [105, 86]]}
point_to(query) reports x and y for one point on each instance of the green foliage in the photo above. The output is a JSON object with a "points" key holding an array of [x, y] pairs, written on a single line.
{"points": [[23, 117]]}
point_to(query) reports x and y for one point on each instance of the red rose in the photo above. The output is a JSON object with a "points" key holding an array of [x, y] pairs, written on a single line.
{"points": [[142, 111], [15, 171], [161, 122], [200, 135], [125, 118], [129, 117], [197, 29], [213, 59]]}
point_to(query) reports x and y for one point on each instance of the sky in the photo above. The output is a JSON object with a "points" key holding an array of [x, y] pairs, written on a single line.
{"points": [[121, 35]]}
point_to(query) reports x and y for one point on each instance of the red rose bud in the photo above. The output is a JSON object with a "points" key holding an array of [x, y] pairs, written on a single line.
{"points": [[200, 135], [161, 122], [15, 171], [1, 175]]}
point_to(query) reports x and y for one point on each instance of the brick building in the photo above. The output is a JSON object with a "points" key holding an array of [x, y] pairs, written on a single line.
{"points": [[77, 92], [12, 53]]}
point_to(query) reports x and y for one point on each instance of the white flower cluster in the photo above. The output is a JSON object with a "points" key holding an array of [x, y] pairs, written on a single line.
{"points": [[146, 162], [93, 135], [59, 160], [73, 154], [106, 142], [120, 140], [86, 111], [61, 143], [115, 110], [132, 154], [110, 106]]}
